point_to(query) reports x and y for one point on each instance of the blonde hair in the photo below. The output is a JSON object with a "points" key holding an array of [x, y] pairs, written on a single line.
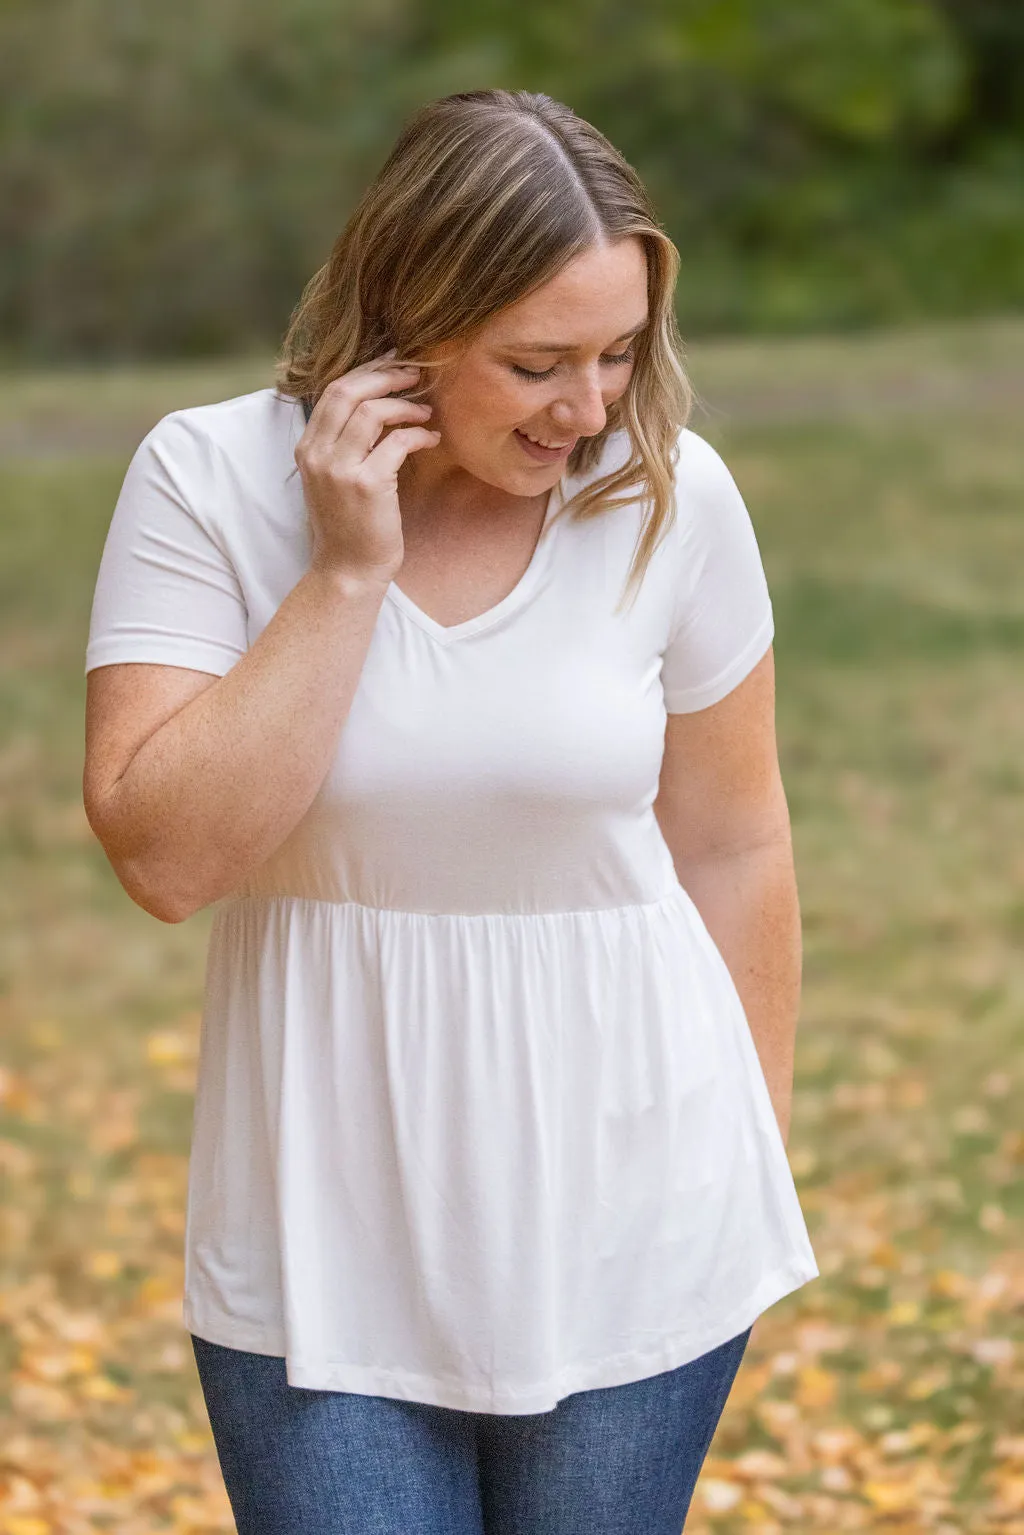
{"points": [[485, 196]]}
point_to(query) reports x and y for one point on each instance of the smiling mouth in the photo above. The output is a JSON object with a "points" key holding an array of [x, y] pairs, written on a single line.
{"points": [[551, 449], [539, 443]]}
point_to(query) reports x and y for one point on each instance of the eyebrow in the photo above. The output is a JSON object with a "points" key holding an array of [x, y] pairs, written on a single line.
{"points": [[565, 346]]}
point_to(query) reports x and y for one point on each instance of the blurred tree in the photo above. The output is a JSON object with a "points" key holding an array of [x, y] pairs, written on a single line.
{"points": [[170, 177], [991, 33], [167, 175]]}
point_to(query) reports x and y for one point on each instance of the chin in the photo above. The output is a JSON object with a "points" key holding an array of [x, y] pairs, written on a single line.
{"points": [[544, 477], [518, 481]]}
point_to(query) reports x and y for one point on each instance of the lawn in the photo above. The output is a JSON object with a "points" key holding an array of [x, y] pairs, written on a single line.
{"points": [[884, 478]]}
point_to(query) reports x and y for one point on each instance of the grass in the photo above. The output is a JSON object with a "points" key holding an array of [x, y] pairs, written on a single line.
{"points": [[883, 475]]}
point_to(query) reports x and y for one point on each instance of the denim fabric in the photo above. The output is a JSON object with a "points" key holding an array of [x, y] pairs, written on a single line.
{"points": [[620, 1460]]}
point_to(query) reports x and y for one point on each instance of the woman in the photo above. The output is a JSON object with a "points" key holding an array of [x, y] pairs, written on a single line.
{"points": [[488, 1155]]}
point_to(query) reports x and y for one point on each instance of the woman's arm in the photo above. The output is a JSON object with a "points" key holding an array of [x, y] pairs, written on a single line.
{"points": [[722, 810], [192, 780]]}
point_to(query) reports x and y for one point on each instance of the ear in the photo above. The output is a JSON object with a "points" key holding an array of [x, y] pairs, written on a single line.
{"points": [[438, 364]]}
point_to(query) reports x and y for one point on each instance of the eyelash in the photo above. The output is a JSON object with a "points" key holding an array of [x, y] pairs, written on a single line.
{"points": [[622, 357]]}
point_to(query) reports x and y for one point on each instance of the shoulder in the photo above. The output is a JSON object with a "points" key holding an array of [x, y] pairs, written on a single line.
{"points": [[226, 422], [207, 453], [700, 470], [709, 507], [225, 428]]}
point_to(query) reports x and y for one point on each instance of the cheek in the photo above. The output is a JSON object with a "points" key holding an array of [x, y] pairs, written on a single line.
{"points": [[617, 389], [496, 404], [485, 403], [506, 400]]}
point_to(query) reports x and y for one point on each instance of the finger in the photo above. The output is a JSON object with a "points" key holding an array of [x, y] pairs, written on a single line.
{"points": [[342, 395], [385, 360], [388, 456], [368, 420]]}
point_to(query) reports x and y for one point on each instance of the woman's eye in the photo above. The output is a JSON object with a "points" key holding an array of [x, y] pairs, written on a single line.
{"points": [[616, 361]]}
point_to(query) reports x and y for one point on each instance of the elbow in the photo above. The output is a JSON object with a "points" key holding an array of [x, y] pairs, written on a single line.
{"points": [[162, 909], [146, 879], [156, 895]]}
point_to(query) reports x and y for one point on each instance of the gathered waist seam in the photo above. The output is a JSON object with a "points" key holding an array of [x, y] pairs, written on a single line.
{"points": [[229, 901]]}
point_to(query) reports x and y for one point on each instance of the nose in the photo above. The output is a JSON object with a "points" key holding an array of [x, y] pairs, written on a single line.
{"points": [[581, 410]]}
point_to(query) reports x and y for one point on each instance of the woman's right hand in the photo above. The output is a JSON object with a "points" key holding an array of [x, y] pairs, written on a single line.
{"points": [[350, 475]]}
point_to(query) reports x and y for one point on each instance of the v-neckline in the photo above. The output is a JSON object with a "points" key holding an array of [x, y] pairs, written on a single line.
{"points": [[447, 634]]}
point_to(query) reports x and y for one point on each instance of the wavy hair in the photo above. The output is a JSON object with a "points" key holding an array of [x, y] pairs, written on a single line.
{"points": [[485, 196]]}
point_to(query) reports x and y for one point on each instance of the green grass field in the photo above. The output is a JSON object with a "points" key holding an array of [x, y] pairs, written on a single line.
{"points": [[884, 476]]}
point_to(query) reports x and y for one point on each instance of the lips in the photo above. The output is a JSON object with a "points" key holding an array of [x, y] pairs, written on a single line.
{"points": [[539, 453]]}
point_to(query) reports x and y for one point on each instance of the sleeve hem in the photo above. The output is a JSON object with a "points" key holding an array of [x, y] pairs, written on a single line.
{"points": [[199, 658], [689, 700]]}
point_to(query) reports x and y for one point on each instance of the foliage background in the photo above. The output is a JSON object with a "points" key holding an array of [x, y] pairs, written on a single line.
{"points": [[170, 176], [169, 179], [883, 474]]}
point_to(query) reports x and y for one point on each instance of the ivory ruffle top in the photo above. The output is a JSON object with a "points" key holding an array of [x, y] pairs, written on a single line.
{"points": [[479, 1118]]}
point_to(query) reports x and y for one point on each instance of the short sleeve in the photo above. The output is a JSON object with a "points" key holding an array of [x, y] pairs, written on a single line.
{"points": [[722, 622], [167, 590]]}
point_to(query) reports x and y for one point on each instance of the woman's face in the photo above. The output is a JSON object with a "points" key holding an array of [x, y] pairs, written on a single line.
{"points": [[545, 369]]}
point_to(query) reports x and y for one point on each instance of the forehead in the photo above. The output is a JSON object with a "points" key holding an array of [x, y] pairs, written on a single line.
{"points": [[600, 293]]}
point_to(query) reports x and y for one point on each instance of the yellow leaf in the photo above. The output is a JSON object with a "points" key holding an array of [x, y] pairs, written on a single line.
{"points": [[100, 1388], [1010, 1492], [103, 1264], [168, 1047], [192, 1443], [950, 1285], [81, 1184], [802, 1162], [891, 1497], [759, 1465], [45, 1034], [815, 1387], [992, 1218], [881, 1375], [993, 1351], [910, 1093], [20, 1495], [26, 1524], [40, 1402], [717, 1496], [160, 1296], [57, 1364], [831, 1444], [928, 1383], [750, 1382], [782, 1503], [965, 1432]]}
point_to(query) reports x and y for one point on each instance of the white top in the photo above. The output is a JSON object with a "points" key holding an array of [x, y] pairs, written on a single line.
{"points": [[479, 1118]]}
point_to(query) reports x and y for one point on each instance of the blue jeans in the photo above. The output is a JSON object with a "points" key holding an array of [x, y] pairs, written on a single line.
{"points": [[618, 1460]]}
